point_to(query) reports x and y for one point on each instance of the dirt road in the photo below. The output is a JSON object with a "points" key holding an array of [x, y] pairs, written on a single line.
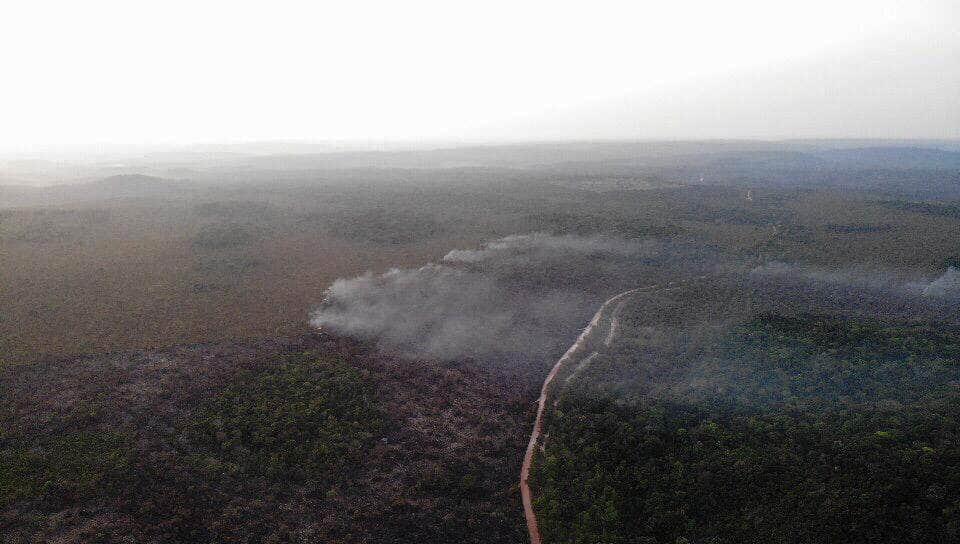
{"points": [[607, 313]]}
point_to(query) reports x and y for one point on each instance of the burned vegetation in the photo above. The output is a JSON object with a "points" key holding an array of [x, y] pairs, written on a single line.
{"points": [[302, 439]]}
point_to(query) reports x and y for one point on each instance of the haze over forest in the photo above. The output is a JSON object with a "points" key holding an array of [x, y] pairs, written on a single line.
{"points": [[550, 272]]}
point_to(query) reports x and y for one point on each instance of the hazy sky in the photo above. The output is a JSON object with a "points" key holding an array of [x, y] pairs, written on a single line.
{"points": [[208, 71]]}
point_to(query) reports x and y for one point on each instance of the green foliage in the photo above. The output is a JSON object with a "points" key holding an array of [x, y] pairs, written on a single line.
{"points": [[787, 429], [297, 418], [216, 472], [65, 466], [815, 359]]}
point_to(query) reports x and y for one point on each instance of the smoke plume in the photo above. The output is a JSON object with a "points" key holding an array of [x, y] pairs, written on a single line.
{"points": [[519, 296], [859, 291], [524, 297]]}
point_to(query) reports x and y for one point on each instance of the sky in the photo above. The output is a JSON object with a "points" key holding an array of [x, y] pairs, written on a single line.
{"points": [[174, 72]]}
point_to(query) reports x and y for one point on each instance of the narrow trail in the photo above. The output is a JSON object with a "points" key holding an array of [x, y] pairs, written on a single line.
{"points": [[616, 303], [614, 323], [574, 350]]}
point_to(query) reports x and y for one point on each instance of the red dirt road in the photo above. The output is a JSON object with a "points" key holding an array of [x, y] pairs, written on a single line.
{"points": [[577, 346]]}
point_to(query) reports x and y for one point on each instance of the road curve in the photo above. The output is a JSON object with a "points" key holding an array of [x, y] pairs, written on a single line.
{"points": [[525, 494]]}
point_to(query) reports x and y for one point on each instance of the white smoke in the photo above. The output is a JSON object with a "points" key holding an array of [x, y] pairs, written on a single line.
{"points": [[946, 286], [526, 295], [543, 243], [434, 309], [867, 292], [518, 295]]}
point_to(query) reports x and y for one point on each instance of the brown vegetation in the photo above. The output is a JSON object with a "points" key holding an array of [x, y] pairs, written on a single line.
{"points": [[439, 467], [132, 274]]}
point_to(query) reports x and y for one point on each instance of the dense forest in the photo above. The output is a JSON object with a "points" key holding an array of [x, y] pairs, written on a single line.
{"points": [[801, 428], [174, 369], [214, 470], [305, 439]]}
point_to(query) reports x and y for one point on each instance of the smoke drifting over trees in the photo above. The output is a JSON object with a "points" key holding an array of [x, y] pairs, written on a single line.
{"points": [[521, 294], [720, 400], [526, 294], [801, 317], [790, 287]]}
